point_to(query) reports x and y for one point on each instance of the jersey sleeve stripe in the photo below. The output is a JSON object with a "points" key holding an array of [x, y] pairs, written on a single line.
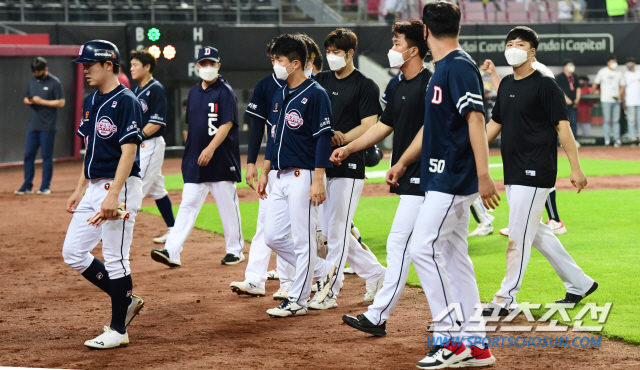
{"points": [[157, 122], [269, 123], [467, 103], [383, 100], [467, 96], [129, 134], [322, 129], [80, 133], [254, 114]]}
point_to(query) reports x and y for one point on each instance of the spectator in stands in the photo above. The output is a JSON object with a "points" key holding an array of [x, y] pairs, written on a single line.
{"points": [[44, 95], [611, 83], [585, 107], [631, 99], [617, 9], [393, 10], [568, 82], [569, 11]]}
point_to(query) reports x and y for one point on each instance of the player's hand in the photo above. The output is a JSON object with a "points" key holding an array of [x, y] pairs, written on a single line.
{"points": [[317, 193], [567, 100], [578, 179], [73, 201], [252, 175], [488, 66], [394, 174], [109, 209], [28, 101], [205, 156], [338, 139], [36, 100], [339, 155], [261, 186], [488, 192]]}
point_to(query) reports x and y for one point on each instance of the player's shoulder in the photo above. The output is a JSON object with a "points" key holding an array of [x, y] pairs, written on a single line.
{"points": [[226, 89], [362, 78], [316, 89], [269, 81], [90, 98], [323, 76], [460, 59], [157, 86]]}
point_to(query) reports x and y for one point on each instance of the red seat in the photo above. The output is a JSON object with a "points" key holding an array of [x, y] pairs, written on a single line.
{"points": [[516, 12], [474, 12]]}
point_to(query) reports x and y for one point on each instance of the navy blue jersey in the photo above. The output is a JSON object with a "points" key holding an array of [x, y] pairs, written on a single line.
{"points": [[109, 121], [448, 163], [153, 100], [207, 110], [300, 127], [258, 109], [392, 83]]}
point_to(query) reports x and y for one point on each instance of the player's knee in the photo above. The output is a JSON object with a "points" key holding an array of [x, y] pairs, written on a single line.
{"points": [[271, 237], [75, 260]]}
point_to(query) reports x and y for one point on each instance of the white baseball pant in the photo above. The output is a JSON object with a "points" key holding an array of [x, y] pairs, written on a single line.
{"points": [[398, 260], [193, 197], [260, 253], [343, 195], [439, 251], [116, 235], [526, 205], [151, 159]]}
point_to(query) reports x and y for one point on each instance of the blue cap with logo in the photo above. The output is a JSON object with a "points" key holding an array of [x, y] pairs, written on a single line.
{"points": [[98, 51], [208, 52]]}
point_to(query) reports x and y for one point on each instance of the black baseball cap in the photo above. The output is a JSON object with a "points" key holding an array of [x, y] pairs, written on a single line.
{"points": [[208, 52]]}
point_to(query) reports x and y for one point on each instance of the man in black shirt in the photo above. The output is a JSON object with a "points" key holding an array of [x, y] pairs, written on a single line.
{"points": [[531, 113], [568, 82], [404, 115], [355, 108]]}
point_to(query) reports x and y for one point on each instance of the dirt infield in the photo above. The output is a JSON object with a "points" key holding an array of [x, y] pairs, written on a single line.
{"points": [[193, 320]]}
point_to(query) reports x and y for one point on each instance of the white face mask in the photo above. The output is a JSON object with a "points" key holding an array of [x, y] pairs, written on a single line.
{"points": [[281, 72], [396, 60], [308, 71], [208, 73], [571, 69], [613, 65], [516, 57], [335, 62]]}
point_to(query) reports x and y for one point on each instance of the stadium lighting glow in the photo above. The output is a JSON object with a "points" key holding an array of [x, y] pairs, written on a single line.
{"points": [[153, 34], [169, 52], [155, 51]]}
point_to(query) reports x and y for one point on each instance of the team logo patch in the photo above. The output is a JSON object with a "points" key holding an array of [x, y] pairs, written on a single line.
{"points": [[304, 101], [86, 115], [99, 276], [105, 127], [148, 92], [273, 131], [145, 107], [296, 173], [207, 51], [114, 104], [293, 119], [107, 186], [275, 108], [142, 145]]}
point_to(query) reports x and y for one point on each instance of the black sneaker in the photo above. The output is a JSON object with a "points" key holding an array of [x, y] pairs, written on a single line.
{"points": [[574, 298], [361, 323], [488, 311], [162, 256], [231, 259]]}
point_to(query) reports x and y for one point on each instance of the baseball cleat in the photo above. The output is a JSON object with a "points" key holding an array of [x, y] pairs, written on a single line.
{"points": [[162, 256], [287, 308], [23, 191], [163, 239], [44, 192], [373, 289], [491, 308], [574, 298], [109, 339], [134, 308], [441, 357], [314, 287], [479, 357], [324, 285], [273, 274], [557, 227], [231, 259], [349, 271], [482, 230], [281, 294], [361, 323], [329, 302], [245, 287], [504, 232]]}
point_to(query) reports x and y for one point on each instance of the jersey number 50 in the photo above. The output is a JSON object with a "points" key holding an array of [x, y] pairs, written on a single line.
{"points": [[213, 117], [436, 165]]}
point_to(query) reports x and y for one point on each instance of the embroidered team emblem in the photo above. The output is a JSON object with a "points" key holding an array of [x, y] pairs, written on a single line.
{"points": [[86, 115], [273, 131], [107, 186], [145, 107], [142, 145], [293, 119], [296, 173], [275, 108], [148, 92], [114, 104], [105, 127], [304, 101]]}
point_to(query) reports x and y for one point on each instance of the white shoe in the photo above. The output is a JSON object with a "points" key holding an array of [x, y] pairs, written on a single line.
{"points": [[273, 274], [349, 271], [245, 287], [617, 144], [281, 294], [23, 192], [109, 339], [287, 308], [373, 289], [44, 192], [324, 285], [314, 287], [329, 302], [557, 227], [482, 230], [163, 239], [504, 232], [440, 357], [134, 308]]}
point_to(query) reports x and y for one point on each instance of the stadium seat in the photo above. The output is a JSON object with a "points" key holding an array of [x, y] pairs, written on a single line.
{"points": [[494, 15], [516, 13], [264, 12], [474, 12]]}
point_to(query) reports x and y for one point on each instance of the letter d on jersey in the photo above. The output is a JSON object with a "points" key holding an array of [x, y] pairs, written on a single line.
{"points": [[437, 95]]}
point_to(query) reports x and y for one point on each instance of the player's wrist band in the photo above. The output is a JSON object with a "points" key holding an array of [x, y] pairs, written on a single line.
{"points": [[144, 136]]}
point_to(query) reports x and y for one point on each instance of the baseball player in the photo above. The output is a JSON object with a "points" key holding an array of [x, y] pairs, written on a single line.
{"points": [[298, 153], [259, 253], [211, 162], [482, 217], [355, 108], [403, 115], [110, 176], [454, 169], [153, 100], [531, 113]]}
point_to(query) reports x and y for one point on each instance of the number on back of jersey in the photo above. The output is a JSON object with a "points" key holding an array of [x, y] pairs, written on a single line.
{"points": [[213, 117], [436, 165]]}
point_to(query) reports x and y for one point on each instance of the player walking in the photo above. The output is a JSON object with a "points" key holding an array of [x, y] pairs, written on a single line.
{"points": [[355, 108], [454, 168], [153, 100], [211, 162], [110, 175], [403, 115], [531, 113]]}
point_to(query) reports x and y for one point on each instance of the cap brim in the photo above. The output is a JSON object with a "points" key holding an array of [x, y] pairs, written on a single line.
{"points": [[83, 60], [209, 58]]}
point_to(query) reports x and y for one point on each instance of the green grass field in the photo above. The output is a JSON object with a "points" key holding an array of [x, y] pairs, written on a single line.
{"points": [[592, 167]]}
